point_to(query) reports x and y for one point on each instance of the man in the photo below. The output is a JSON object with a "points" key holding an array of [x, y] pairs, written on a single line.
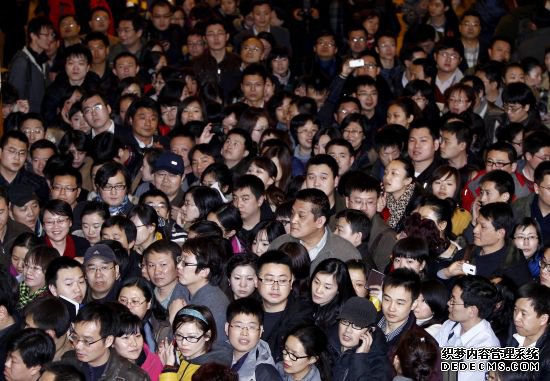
{"points": [[282, 309], [537, 204], [252, 51], [100, 22], [92, 336], [40, 152], [500, 49], [32, 125], [98, 43], [470, 29], [386, 47], [181, 143], [357, 41], [50, 315], [217, 63], [406, 56], [322, 173], [130, 30], [473, 299], [252, 85], [493, 253], [65, 280], [422, 149], [423, 69], [536, 148], [66, 185], [531, 319], [13, 153], [125, 65], [97, 112], [162, 30], [448, 55], [346, 106], [362, 193], [325, 62], [24, 209], [168, 175], [368, 94], [27, 71], [196, 45], [342, 151], [456, 138], [28, 352], [491, 76], [308, 226], [102, 273], [400, 292]]}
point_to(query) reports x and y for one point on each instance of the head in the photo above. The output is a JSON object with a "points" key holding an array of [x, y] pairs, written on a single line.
{"points": [[456, 138], [50, 315], [113, 183], [27, 353], [502, 156], [398, 174], [322, 173], [528, 237], [102, 269], [411, 253], [445, 183], [472, 298], [353, 225], [399, 295], [275, 279], [494, 224], [244, 325], [304, 346], [362, 194], [161, 260], [496, 186], [423, 143], [532, 311], [241, 272], [200, 263], [331, 283], [119, 228], [13, 151], [136, 293], [448, 54], [310, 213], [65, 277], [266, 232], [194, 330]]}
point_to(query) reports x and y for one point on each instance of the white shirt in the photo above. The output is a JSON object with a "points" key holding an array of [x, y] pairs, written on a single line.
{"points": [[314, 252], [111, 129], [521, 339]]}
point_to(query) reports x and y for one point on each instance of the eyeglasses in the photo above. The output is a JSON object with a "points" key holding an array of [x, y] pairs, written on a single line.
{"points": [[242, 327], [95, 108], [473, 24], [75, 339], [511, 108], [307, 132], [191, 339], [219, 34], [128, 30], [29, 131], [370, 66], [292, 356], [180, 259], [526, 238], [544, 265], [543, 158], [270, 282], [284, 222], [109, 187], [101, 18], [326, 43], [451, 56], [101, 269], [131, 302], [15, 152], [496, 164], [545, 188], [453, 303], [352, 132], [33, 268], [348, 323], [357, 39], [67, 189], [59, 222], [51, 34], [251, 49]]}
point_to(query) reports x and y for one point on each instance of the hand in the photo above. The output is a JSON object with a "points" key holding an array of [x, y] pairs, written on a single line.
{"points": [[22, 105], [346, 69], [166, 353], [366, 342], [206, 135], [381, 203], [176, 215], [174, 307], [475, 210], [455, 269]]}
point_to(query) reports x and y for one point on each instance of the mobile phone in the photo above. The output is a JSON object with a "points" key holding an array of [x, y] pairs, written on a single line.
{"points": [[357, 63], [469, 269], [375, 278]]}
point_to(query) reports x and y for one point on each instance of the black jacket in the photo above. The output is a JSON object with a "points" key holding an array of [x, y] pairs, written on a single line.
{"points": [[543, 344]]}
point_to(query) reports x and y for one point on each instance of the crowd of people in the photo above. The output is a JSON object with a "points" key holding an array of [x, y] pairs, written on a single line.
{"points": [[272, 191]]}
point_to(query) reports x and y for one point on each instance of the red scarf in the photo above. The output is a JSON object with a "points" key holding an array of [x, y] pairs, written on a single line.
{"points": [[70, 248]]}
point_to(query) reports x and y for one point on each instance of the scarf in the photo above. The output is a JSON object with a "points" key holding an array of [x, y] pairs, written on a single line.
{"points": [[116, 210], [26, 295], [70, 248], [397, 207]]}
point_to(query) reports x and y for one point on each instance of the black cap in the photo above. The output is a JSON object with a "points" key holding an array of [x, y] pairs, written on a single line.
{"points": [[19, 194], [102, 251], [358, 311], [170, 162]]}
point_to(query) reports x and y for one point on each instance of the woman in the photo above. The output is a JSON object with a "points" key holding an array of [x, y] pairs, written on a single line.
{"points": [[76, 143], [402, 111], [303, 128], [137, 295], [166, 226], [191, 109], [263, 168], [218, 176], [113, 183], [194, 335], [241, 272], [129, 343], [460, 98], [431, 307], [229, 220], [400, 190], [322, 137], [198, 202], [330, 288], [145, 219], [281, 156], [304, 355], [527, 238], [34, 275], [57, 219], [254, 121], [19, 249], [201, 156], [416, 358], [411, 253], [93, 215], [355, 130], [422, 93], [301, 263], [237, 151], [267, 231]]}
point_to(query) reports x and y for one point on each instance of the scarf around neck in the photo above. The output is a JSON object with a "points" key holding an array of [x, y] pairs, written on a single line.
{"points": [[397, 207]]}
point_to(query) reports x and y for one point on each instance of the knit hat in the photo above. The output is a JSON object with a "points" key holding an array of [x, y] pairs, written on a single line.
{"points": [[358, 311]]}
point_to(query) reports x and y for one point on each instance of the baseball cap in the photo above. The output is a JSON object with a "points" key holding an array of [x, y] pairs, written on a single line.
{"points": [[170, 162], [102, 251]]}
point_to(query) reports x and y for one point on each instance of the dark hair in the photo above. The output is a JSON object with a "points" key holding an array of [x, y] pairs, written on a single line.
{"points": [[163, 246], [418, 355], [78, 138], [63, 371], [206, 253], [519, 92], [412, 247], [78, 50], [212, 371], [282, 153], [146, 214], [407, 166], [443, 172], [450, 43], [360, 182], [266, 164], [58, 207], [272, 228], [142, 284], [49, 313], [126, 322], [300, 265], [436, 296], [60, 263], [96, 36], [209, 326], [391, 135], [229, 217], [138, 23], [300, 121], [341, 142], [95, 207], [500, 214], [254, 69], [358, 221], [405, 278], [542, 170], [442, 209], [241, 259], [324, 159], [478, 292], [111, 169], [504, 182], [143, 102], [27, 240], [246, 306], [461, 130], [251, 182], [503, 147], [204, 228], [99, 313], [34, 345], [206, 199], [538, 295], [536, 140], [124, 224], [66, 171], [13, 134], [274, 257], [319, 201], [221, 173], [461, 88], [315, 344], [249, 144], [36, 24]]}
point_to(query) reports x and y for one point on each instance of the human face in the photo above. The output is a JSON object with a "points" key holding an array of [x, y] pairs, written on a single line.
{"points": [[514, 75], [486, 236], [100, 21], [125, 67], [343, 157], [33, 129], [397, 303], [101, 276], [97, 353], [353, 133], [69, 28], [370, 68], [199, 162], [499, 160], [160, 16], [274, 295], [262, 16], [99, 51], [252, 87], [44, 38], [129, 37], [189, 210], [447, 60], [16, 370], [78, 156], [306, 133], [40, 157], [144, 123], [395, 178], [244, 333], [300, 367], [144, 232], [280, 65], [359, 281], [192, 112], [422, 310], [114, 197], [450, 148], [527, 321], [13, 155], [543, 191], [325, 47], [66, 189], [436, 8], [408, 263], [4, 213], [321, 177], [261, 243], [18, 254], [259, 128], [159, 204], [387, 154], [345, 109], [76, 68], [534, 77], [129, 346], [516, 112], [386, 48], [70, 283], [458, 102], [527, 240], [501, 51], [417, 72], [363, 201], [533, 160], [228, 6], [470, 27], [96, 113], [457, 310], [79, 123], [302, 221], [348, 336], [169, 115], [34, 275], [247, 203], [133, 298], [243, 281], [396, 115], [323, 288], [56, 227], [161, 269], [445, 187], [181, 145], [545, 274], [489, 194], [344, 230], [234, 149], [319, 147], [371, 25], [195, 44], [357, 40], [368, 97], [187, 349], [26, 214], [422, 146], [216, 37], [261, 174], [117, 234]]}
